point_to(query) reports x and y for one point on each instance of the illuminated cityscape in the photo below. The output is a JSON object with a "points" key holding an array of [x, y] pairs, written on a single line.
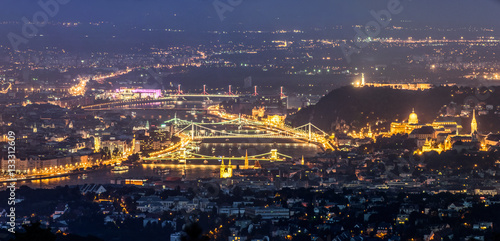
{"points": [[250, 120]]}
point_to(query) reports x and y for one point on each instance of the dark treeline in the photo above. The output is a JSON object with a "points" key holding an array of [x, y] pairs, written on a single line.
{"points": [[358, 107]]}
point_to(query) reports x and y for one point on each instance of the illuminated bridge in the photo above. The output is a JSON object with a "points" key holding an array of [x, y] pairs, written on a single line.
{"points": [[126, 102], [189, 131], [200, 131], [182, 155], [169, 98], [166, 98]]}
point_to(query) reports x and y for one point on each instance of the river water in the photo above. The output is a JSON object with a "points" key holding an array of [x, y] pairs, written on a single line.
{"points": [[194, 169]]}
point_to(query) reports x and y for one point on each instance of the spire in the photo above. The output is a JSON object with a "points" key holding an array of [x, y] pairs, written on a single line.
{"points": [[226, 172], [246, 159], [473, 124], [363, 79], [303, 162], [257, 165]]}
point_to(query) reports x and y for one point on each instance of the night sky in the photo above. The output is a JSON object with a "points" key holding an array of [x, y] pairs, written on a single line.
{"points": [[251, 14]]}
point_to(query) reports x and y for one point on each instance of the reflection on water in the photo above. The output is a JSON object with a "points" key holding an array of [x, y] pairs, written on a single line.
{"points": [[193, 169], [295, 150]]}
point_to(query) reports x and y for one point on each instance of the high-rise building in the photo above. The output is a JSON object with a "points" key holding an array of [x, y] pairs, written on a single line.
{"points": [[247, 82]]}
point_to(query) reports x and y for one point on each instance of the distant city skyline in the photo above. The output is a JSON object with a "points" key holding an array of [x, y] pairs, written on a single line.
{"points": [[201, 14]]}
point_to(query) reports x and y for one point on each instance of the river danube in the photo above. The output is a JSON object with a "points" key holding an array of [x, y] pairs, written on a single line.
{"points": [[194, 170]]}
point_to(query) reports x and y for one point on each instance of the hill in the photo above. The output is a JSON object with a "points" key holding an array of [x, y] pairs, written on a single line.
{"points": [[356, 107]]}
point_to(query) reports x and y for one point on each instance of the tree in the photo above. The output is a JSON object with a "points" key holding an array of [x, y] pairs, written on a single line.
{"points": [[134, 157], [193, 232], [35, 233]]}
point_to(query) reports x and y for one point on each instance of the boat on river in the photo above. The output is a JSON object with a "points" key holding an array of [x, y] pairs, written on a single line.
{"points": [[120, 169]]}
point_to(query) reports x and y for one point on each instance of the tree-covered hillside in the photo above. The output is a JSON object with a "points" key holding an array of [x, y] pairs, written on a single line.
{"points": [[356, 107]]}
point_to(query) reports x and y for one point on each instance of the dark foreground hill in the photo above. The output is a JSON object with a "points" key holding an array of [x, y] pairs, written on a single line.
{"points": [[356, 107]]}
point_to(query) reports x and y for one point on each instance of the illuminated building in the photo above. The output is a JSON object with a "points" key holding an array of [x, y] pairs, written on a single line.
{"points": [[97, 144], [226, 171], [413, 119], [450, 140], [370, 133], [492, 140], [473, 124], [423, 134], [132, 93], [406, 127], [465, 142], [440, 125], [408, 86], [246, 159], [430, 145], [120, 147], [258, 112], [276, 120], [50, 164], [257, 165]]}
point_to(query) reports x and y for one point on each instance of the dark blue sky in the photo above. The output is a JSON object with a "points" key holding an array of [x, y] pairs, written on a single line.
{"points": [[261, 13]]}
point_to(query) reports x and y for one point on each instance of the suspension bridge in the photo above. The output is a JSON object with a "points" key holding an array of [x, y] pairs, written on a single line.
{"points": [[168, 98], [182, 155], [200, 131], [197, 131]]}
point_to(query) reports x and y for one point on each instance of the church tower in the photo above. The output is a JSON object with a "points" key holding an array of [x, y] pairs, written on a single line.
{"points": [[246, 159], [473, 124], [257, 165], [226, 172]]}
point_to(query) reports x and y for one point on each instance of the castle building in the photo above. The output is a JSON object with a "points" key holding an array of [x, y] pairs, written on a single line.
{"points": [[405, 127], [467, 142], [446, 136], [413, 123]]}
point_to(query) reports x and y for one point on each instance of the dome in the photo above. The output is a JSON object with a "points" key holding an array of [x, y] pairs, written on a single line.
{"points": [[413, 119]]}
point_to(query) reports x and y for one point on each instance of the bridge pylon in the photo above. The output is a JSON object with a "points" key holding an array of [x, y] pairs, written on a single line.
{"points": [[179, 91], [230, 92], [309, 131], [282, 95], [204, 90], [255, 91], [192, 130], [274, 154], [182, 156]]}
